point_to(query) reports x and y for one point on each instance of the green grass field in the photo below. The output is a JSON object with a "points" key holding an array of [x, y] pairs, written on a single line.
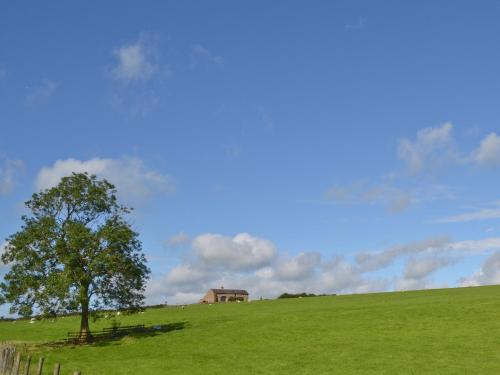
{"points": [[448, 331]]}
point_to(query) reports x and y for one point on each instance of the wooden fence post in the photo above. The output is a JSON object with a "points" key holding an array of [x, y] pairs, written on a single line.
{"points": [[7, 360], [27, 366], [17, 364], [3, 361], [12, 360], [40, 366]]}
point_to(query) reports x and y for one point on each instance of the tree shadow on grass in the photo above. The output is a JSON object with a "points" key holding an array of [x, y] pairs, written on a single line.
{"points": [[113, 337]]}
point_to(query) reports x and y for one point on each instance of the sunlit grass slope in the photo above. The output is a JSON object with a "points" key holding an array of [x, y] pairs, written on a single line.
{"points": [[449, 331]]}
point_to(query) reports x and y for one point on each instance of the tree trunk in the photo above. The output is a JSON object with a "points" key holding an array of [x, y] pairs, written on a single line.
{"points": [[85, 335]]}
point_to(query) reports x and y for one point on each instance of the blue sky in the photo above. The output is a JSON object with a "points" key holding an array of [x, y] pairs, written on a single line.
{"points": [[330, 147]]}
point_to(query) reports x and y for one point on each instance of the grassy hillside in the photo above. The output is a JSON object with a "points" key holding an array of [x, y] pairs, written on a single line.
{"points": [[451, 331]]}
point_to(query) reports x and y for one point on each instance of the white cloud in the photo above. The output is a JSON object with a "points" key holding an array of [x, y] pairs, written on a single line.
{"points": [[139, 69], [438, 251], [370, 261], [488, 153], [420, 268], [339, 274], [45, 90], [131, 177], [242, 261], [185, 274], [136, 61], [255, 264], [476, 246], [395, 198], [432, 146], [411, 284], [9, 169], [178, 239], [205, 53], [483, 214], [488, 274], [243, 251], [401, 202], [298, 268]]}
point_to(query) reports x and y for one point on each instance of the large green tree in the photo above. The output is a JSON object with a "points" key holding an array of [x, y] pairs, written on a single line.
{"points": [[74, 253]]}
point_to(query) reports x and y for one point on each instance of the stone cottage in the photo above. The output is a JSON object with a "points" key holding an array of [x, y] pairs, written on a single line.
{"points": [[225, 295]]}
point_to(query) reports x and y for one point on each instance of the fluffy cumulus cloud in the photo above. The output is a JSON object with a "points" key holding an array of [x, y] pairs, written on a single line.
{"points": [[185, 274], [488, 274], [340, 275], [370, 261], [238, 253], [432, 146], [420, 268], [435, 146], [132, 178], [488, 153], [139, 72], [253, 263], [241, 261], [136, 61], [300, 267]]}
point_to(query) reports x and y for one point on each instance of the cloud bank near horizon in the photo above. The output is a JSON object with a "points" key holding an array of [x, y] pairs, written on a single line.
{"points": [[256, 264]]}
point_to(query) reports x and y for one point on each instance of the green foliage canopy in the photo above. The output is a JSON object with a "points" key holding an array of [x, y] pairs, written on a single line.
{"points": [[74, 252]]}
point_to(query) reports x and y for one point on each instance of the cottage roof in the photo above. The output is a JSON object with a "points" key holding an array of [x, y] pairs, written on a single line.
{"points": [[229, 291]]}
